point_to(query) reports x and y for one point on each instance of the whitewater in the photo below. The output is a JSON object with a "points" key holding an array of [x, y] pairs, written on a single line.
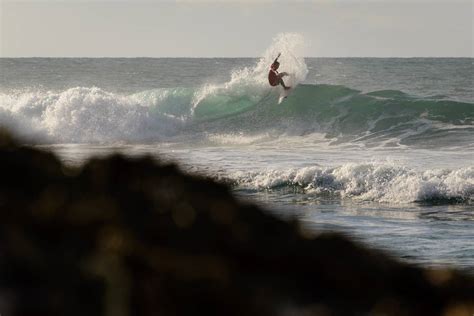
{"points": [[378, 148]]}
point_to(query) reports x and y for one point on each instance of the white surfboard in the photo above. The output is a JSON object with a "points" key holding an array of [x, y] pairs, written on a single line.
{"points": [[284, 93]]}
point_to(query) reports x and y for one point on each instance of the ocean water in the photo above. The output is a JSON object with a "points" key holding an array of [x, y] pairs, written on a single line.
{"points": [[380, 149]]}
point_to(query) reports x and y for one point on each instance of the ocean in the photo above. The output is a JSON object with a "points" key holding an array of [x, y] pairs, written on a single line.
{"points": [[379, 149]]}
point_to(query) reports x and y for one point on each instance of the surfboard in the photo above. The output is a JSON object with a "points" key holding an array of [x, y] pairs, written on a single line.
{"points": [[284, 93]]}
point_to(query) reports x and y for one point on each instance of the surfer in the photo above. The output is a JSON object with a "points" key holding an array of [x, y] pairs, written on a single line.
{"points": [[274, 77]]}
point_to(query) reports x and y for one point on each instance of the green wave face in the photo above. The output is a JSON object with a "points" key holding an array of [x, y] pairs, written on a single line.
{"points": [[342, 113], [218, 106]]}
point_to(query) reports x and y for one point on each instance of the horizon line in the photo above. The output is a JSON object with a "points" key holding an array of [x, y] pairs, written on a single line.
{"points": [[221, 57]]}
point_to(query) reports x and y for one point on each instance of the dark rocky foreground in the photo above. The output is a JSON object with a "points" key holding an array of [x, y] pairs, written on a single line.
{"points": [[135, 237]]}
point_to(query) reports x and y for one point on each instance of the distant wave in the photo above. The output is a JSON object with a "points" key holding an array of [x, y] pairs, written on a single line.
{"points": [[380, 182]]}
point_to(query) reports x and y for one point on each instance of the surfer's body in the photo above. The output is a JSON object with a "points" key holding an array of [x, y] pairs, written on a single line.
{"points": [[274, 77]]}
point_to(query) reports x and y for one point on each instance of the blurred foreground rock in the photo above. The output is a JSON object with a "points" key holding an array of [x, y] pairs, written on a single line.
{"points": [[135, 237]]}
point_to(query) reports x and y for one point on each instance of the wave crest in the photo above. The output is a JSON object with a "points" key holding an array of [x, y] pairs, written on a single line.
{"points": [[81, 115], [379, 182]]}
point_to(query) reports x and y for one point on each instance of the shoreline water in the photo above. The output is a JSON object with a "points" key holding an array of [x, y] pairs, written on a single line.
{"points": [[433, 233]]}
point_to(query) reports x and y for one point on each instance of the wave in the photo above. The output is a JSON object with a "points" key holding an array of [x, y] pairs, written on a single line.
{"points": [[90, 114], [380, 182], [81, 115]]}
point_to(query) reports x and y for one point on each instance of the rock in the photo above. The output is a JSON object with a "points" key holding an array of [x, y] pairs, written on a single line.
{"points": [[123, 236]]}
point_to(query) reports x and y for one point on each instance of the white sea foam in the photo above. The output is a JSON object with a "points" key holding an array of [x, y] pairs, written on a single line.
{"points": [[382, 182], [81, 115], [237, 138]]}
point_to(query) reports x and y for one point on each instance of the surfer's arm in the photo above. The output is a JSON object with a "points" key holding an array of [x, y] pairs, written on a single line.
{"points": [[276, 59]]}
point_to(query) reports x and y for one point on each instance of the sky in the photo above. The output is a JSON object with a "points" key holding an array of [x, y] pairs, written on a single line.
{"points": [[225, 28]]}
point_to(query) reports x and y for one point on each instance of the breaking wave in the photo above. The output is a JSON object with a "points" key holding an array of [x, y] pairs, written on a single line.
{"points": [[380, 182], [342, 114]]}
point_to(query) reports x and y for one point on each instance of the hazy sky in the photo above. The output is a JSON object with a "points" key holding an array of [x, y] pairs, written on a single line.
{"points": [[160, 28]]}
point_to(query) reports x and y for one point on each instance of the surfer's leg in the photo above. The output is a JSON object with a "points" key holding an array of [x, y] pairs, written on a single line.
{"points": [[283, 84]]}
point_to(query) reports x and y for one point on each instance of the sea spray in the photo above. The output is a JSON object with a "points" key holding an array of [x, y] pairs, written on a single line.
{"points": [[253, 80], [292, 47]]}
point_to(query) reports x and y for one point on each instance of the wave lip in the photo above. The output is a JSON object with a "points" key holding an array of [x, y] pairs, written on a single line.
{"points": [[379, 182]]}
